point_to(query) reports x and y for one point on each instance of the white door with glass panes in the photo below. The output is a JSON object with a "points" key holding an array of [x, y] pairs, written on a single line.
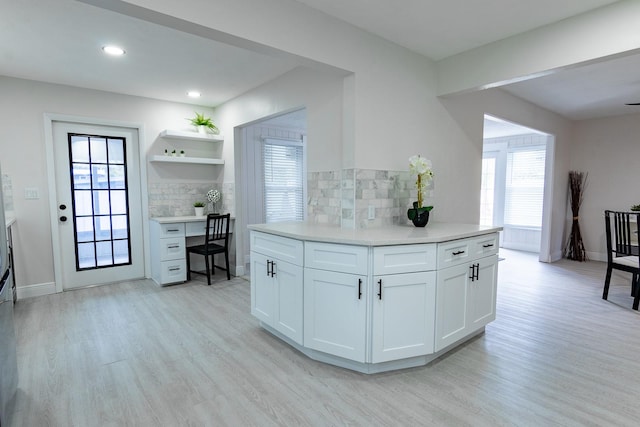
{"points": [[98, 198]]}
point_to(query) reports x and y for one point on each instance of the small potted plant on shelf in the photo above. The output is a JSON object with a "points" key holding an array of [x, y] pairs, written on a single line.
{"points": [[203, 123], [182, 153], [635, 208], [199, 207]]}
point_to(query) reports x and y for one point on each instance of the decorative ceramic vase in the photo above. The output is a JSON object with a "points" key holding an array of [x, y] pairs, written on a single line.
{"points": [[419, 216], [199, 211]]}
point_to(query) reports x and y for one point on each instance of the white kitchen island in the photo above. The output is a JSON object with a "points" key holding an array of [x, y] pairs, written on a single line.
{"points": [[374, 300]]}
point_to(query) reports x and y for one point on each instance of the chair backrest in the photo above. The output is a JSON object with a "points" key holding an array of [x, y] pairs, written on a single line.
{"points": [[622, 233], [217, 229]]}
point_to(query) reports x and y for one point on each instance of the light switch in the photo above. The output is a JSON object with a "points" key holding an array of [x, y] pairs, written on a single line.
{"points": [[31, 193]]}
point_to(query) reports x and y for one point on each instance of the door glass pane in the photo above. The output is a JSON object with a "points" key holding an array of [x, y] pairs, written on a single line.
{"points": [[101, 204], [82, 202], [118, 202], [119, 226], [121, 250], [99, 176], [98, 149], [116, 151], [104, 253], [86, 257], [116, 177], [80, 148], [100, 200], [84, 229]]}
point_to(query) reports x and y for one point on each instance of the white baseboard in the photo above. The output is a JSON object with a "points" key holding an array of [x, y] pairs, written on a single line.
{"points": [[239, 270], [37, 290], [597, 256]]}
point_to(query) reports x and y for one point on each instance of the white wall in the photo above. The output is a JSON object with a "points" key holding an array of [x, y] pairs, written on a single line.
{"points": [[585, 38], [608, 150], [22, 105], [320, 92]]}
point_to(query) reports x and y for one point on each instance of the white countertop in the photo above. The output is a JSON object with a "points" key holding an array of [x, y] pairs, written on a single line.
{"points": [[434, 232], [188, 218], [170, 219]]}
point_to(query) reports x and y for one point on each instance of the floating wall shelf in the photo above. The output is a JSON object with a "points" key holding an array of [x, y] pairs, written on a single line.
{"points": [[179, 134], [178, 159]]}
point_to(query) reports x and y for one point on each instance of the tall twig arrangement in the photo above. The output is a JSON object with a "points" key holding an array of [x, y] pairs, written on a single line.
{"points": [[575, 247]]}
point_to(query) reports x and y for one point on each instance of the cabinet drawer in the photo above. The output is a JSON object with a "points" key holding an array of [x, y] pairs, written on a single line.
{"points": [[455, 252], [333, 257], [173, 271], [198, 228], [404, 259], [172, 229], [485, 245], [172, 248], [282, 248]]}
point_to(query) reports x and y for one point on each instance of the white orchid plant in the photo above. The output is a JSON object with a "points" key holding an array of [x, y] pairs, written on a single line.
{"points": [[421, 167]]}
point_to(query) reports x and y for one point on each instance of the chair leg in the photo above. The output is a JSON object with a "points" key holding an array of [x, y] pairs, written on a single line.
{"points": [[636, 298], [226, 261], [607, 280], [206, 261], [188, 266], [634, 285]]}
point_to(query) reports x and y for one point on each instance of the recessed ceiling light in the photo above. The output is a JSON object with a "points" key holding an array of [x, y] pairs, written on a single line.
{"points": [[193, 94], [113, 50]]}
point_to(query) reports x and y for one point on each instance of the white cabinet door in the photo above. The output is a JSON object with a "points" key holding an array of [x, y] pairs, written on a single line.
{"points": [[276, 294], [287, 317], [451, 305], [263, 289], [335, 313], [403, 315], [482, 295], [465, 299]]}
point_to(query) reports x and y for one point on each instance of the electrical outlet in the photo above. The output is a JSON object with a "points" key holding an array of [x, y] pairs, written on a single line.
{"points": [[31, 193], [372, 212]]}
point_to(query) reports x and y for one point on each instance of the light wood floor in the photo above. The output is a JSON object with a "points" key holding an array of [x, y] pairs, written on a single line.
{"points": [[134, 354]]}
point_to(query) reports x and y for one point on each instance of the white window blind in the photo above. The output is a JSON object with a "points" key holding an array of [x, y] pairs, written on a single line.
{"points": [[525, 187], [284, 180]]}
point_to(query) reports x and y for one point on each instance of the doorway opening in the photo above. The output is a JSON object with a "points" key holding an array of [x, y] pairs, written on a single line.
{"points": [[516, 165], [273, 172]]}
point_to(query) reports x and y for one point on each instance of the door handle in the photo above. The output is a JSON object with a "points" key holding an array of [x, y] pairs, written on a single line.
{"points": [[63, 218], [359, 288], [380, 289], [457, 253]]}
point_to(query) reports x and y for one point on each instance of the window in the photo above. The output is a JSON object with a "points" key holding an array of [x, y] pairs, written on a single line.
{"points": [[100, 201], [525, 187], [284, 180]]}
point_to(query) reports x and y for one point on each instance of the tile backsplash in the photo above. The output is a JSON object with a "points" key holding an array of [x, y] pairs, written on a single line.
{"points": [[339, 197], [7, 192], [176, 199], [345, 197]]}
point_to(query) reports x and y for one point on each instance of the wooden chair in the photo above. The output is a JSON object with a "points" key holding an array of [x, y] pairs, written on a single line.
{"points": [[622, 249], [216, 242]]}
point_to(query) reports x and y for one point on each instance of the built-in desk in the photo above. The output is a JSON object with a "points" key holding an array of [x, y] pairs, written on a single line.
{"points": [[168, 236]]}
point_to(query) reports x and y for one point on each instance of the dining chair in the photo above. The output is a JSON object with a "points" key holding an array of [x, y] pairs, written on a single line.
{"points": [[621, 229], [216, 242]]}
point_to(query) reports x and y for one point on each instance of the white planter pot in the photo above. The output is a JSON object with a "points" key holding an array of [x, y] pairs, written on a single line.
{"points": [[199, 211], [202, 130]]}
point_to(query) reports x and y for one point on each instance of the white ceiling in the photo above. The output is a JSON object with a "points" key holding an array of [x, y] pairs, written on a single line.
{"points": [[59, 41]]}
